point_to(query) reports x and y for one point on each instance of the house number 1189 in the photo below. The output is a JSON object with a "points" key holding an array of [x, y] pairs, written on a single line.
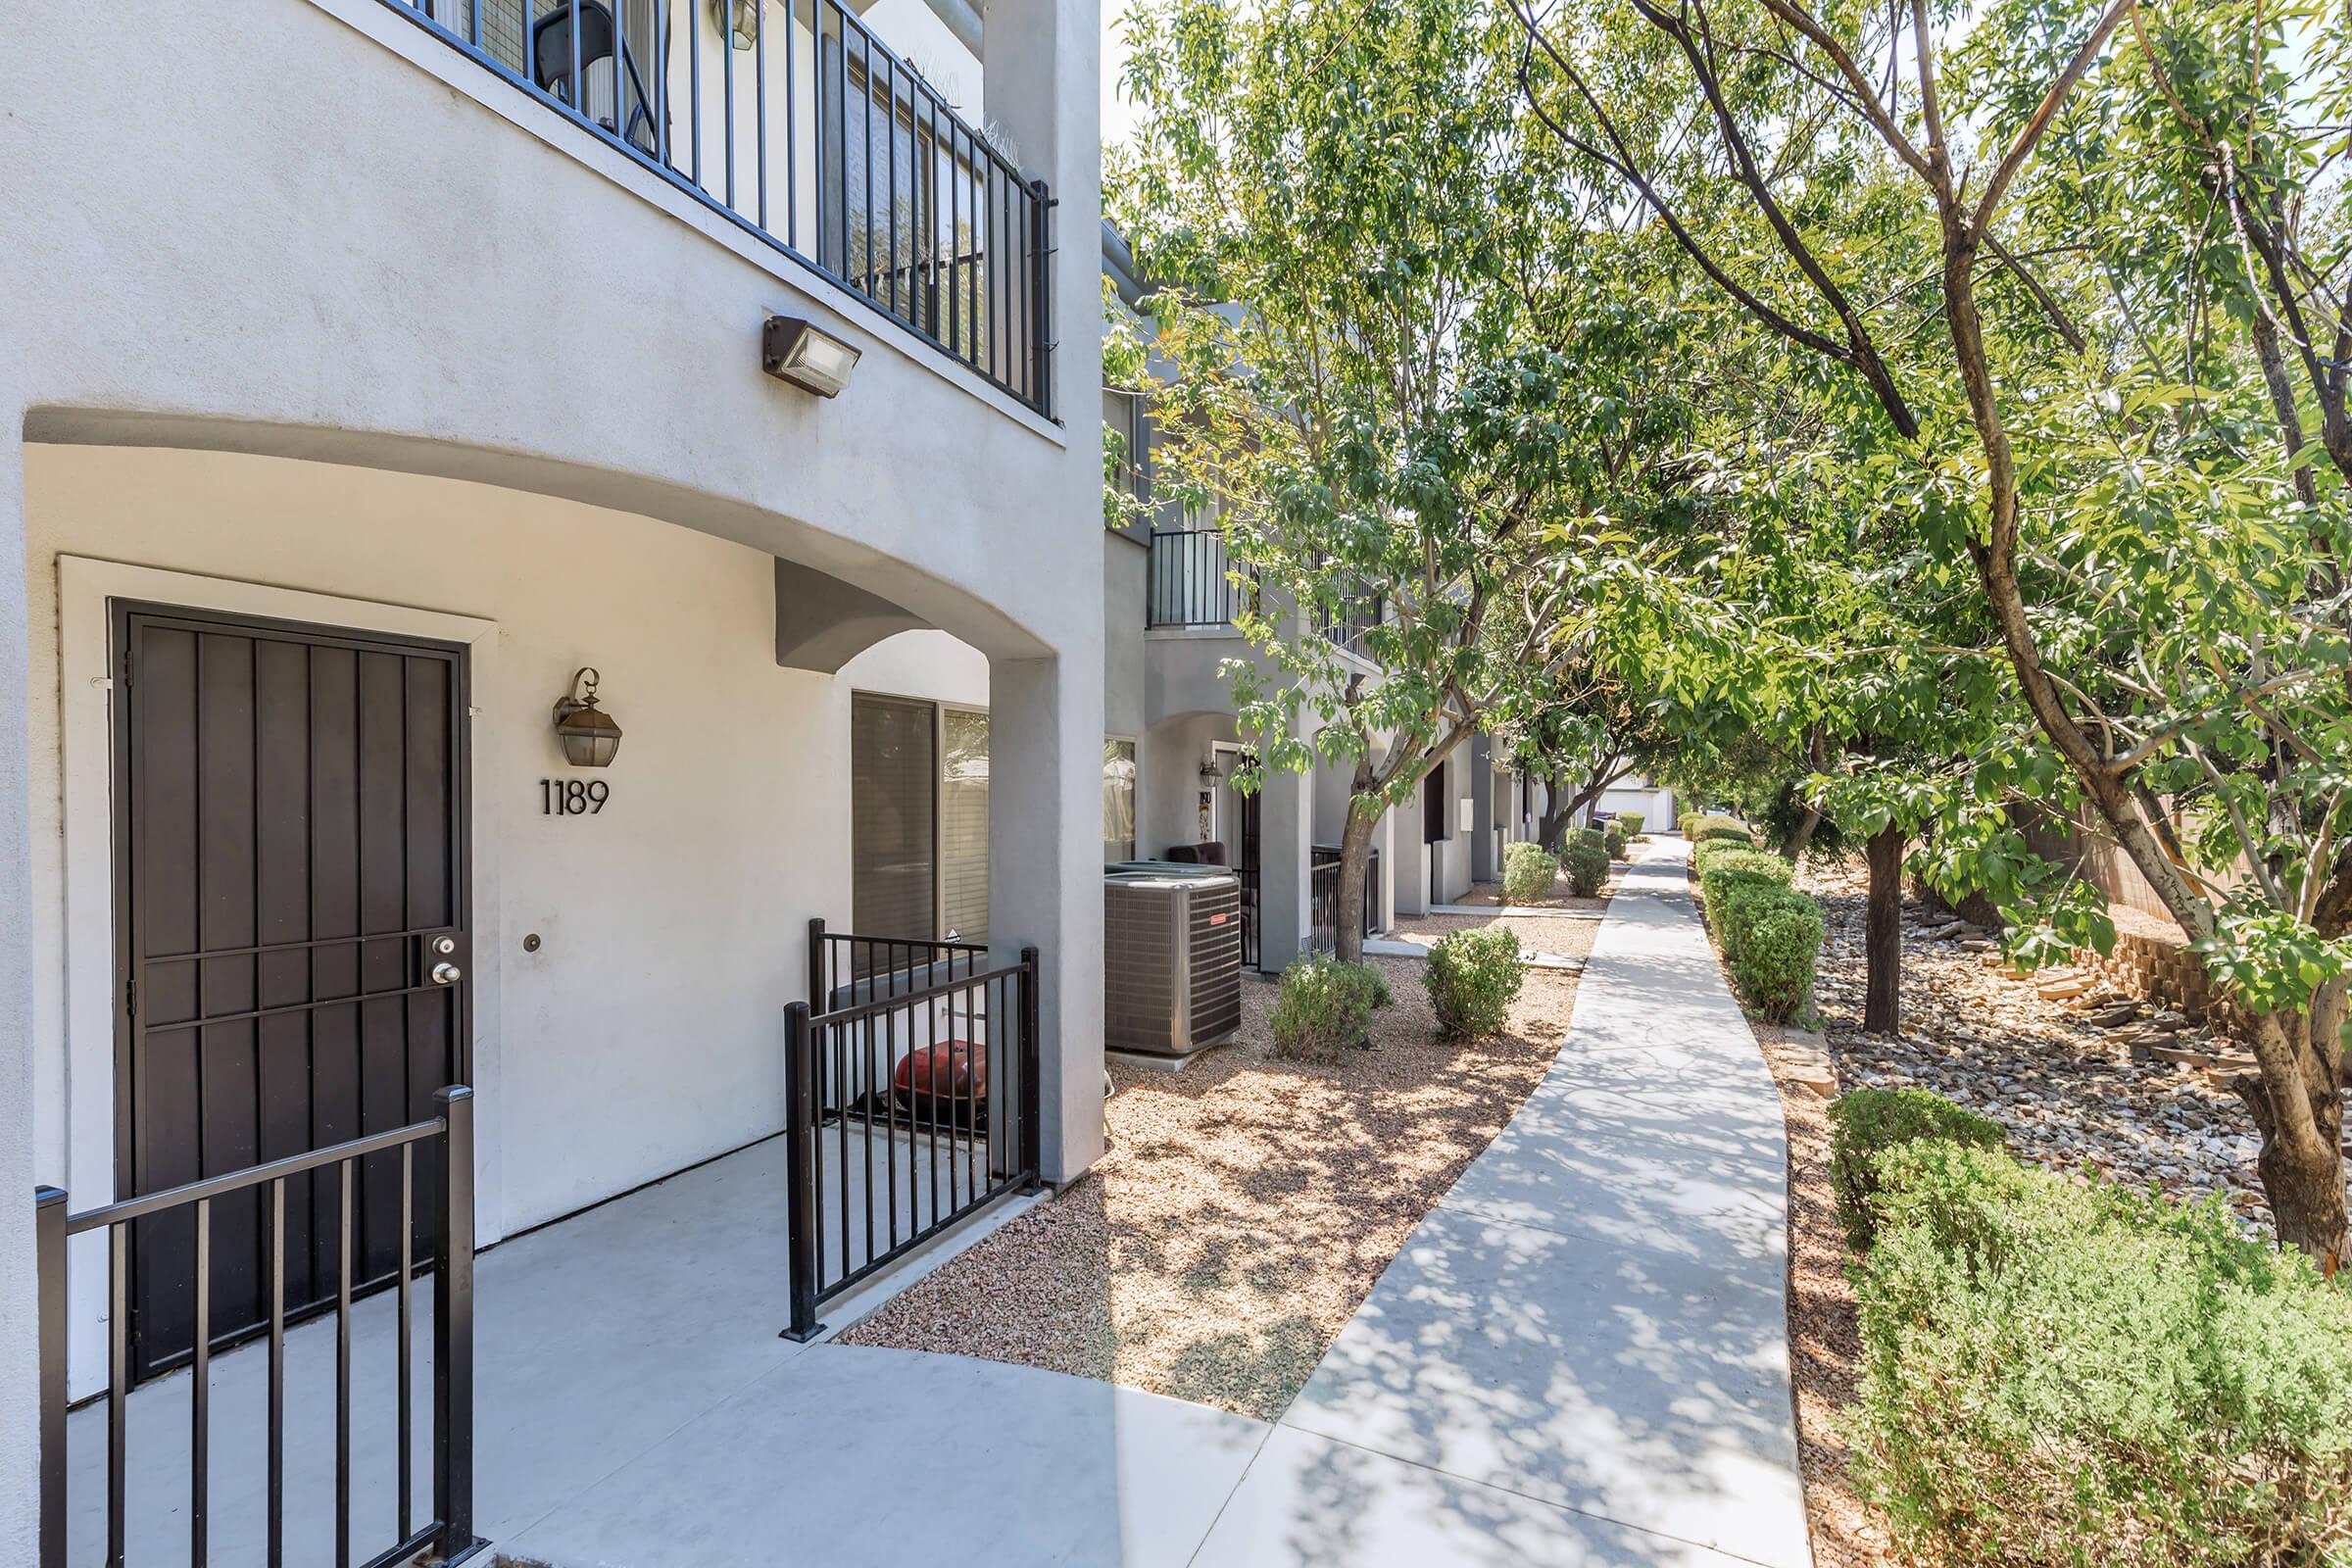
{"points": [[569, 797]]}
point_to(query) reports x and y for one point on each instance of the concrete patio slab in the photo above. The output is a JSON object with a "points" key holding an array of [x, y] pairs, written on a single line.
{"points": [[853, 1455]]}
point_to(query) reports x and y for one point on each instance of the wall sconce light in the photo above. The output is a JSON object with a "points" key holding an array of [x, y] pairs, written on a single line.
{"points": [[738, 21], [587, 731], [814, 361], [1210, 776]]}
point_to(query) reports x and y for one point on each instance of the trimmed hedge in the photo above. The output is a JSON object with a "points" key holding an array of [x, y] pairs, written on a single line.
{"points": [[1719, 853], [1613, 841], [1529, 872], [1473, 975], [1324, 1006], [2094, 1377], [1631, 822], [1588, 866], [1865, 1123], [1779, 944], [1770, 933], [1697, 825]]}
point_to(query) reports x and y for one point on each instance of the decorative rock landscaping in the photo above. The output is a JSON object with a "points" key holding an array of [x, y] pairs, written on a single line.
{"points": [[2087, 1077]]}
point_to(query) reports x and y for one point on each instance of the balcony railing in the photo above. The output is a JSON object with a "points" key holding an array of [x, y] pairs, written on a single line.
{"points": [[817, 139], [1191, 582], [1357, 616]]}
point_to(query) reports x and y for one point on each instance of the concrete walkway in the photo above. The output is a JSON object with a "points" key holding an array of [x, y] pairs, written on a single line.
{"points": [[1580, 1358], [1577, 1362]]}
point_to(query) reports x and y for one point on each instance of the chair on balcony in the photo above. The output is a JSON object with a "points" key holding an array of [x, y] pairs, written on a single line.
{"points": [[550, 46]]}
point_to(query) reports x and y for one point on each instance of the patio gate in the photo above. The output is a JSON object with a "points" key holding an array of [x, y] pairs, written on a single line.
{"points": [[911, 1102]]}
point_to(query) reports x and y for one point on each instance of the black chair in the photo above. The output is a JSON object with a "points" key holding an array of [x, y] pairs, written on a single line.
{"points": [[551, 50]]}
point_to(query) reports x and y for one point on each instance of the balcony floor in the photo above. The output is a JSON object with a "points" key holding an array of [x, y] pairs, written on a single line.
{"points": [[635, 1406]]}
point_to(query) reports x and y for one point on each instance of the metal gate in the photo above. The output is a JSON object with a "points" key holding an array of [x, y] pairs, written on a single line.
{"points": [[290, 911]]}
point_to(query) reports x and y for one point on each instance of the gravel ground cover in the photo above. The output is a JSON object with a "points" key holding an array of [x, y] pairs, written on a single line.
{"points": [[1245, 1208], [2076, 1097], [1489, 895], [1570, 938]]}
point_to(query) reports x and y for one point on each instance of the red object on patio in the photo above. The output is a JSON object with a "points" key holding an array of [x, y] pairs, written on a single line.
{"points": [[951, 1069]]}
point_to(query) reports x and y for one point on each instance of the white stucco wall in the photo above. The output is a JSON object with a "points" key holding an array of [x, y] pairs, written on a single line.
{"points": [[217, 246], [642, 1035]]}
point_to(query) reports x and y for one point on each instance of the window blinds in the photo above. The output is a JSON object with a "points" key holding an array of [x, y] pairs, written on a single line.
{"points": [[894, 771], [963, 826]]}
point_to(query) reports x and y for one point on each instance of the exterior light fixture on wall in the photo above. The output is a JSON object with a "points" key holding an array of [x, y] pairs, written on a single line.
{"points": [[1211, 775], [587, 731], [738, 21], [814, 361]]}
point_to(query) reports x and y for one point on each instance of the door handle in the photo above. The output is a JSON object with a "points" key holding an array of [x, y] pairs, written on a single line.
{"points": [[445, 973]]}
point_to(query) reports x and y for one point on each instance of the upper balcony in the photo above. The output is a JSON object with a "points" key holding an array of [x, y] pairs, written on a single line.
{"points": [[814, 136]]}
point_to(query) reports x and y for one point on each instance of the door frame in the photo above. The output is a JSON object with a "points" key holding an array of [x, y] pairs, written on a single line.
{"points": [[79, 1149]]}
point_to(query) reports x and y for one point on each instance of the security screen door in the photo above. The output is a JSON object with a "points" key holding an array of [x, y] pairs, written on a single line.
{"points": [[289, 841]]}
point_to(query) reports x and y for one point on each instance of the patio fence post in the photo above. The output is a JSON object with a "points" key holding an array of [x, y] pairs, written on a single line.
{"points": [[1041, 298], [818, 988], [49, 1274], [800, 1144], [1032, 1135], [453, 1330]]}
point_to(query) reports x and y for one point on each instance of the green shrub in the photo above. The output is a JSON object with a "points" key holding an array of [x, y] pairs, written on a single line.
{"points": [[1728, 833], [1778, 945], [1631, 822], [2054, 1375], [1473, 975], [1726, 868], [1613, 841], [1697, 825], [1588, 866], [1585, 835], [1868, 1122], [1324, 1006], [1529, 872], [1722, 854]]}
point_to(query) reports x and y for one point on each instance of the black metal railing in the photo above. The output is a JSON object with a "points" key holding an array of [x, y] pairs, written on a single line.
{"points": [[903, 203], [1247, 875], [1354, 617], [1193, 582], [904, 1112], [845, 968], [1323, 897], [449, 1534]]}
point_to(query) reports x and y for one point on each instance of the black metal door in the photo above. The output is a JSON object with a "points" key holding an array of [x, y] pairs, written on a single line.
{"points": [[290, 920]]}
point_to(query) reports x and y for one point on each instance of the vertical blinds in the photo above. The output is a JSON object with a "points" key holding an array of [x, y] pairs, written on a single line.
{"points": [[963, 826], [894, 771]]}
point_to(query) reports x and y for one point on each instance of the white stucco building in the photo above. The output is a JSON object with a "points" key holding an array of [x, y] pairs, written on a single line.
{"points": [[357, 394]]}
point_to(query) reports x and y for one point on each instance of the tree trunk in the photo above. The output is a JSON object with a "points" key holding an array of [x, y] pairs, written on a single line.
{"points": [[1556, 811], [1816, 751], [2297, 1099], [1883, 934], [2304, 1177], [1356, 861]]}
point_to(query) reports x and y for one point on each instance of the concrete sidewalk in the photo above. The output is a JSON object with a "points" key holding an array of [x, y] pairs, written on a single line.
{"points": [[1580, 1358]]}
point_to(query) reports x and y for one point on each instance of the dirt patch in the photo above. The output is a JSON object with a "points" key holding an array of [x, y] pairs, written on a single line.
{"points": [[1243, 1210], [1825, 1340]]}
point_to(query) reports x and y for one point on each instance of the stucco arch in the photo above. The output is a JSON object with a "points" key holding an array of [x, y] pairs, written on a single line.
{"points": [[836, 597]]}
